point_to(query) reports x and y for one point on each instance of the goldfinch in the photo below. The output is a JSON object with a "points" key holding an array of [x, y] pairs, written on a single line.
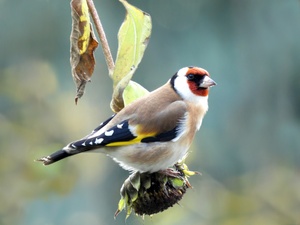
{"points": [[154, 132]]}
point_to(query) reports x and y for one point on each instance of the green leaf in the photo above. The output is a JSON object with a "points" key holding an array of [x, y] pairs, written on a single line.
{"points": [[177, 182], [132, 92], [133, 38]]}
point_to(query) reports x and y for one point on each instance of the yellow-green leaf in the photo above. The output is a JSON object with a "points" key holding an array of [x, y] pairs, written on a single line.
{"points": [[133, 38], [177, 182], [83, 45], [133, 91]]}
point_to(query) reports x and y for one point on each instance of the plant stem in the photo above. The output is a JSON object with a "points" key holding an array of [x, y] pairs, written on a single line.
{"points": [[105, 47]]}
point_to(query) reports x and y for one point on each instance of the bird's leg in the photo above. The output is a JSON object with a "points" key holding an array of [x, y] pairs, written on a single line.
{"points": [[171, 172]]}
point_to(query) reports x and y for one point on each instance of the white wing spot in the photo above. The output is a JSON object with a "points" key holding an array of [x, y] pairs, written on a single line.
{"points": [[91, 143], [83, 144], [99, 140], [120, 125], [109, 133]]}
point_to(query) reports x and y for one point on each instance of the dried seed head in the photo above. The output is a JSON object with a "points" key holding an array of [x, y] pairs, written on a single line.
{"points": [[160, 196], [148, 194]]}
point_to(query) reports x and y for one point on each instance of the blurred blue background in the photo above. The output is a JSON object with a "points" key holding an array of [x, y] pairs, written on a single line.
{"points": [[248, 148]]}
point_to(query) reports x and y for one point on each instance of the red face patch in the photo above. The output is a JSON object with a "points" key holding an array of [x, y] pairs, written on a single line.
{"points": [[199, 73], [194, 87]]}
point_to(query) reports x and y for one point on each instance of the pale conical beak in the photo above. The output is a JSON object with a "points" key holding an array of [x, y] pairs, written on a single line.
{"points": [[207, 82]]}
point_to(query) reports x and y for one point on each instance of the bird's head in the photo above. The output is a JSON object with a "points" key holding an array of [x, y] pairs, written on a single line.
{"points": [[192, 82]]}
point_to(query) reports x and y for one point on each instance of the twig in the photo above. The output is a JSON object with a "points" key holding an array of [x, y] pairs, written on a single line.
{"points": [[105, 47]]}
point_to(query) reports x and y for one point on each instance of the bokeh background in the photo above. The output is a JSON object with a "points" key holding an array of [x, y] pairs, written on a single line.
{"points": [[248, 148]]}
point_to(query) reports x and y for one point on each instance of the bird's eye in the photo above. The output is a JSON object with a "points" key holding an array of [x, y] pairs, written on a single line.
{"points": [[190, 76]]}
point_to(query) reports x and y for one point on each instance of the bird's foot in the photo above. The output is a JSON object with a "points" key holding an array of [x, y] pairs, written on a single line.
{"points": [[171, 172]]}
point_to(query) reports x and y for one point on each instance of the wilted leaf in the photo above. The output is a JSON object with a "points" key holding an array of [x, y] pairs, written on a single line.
{"points": [[83, 45], [133, 38]]}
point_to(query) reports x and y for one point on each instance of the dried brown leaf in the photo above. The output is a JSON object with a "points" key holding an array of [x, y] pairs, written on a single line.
{"points": [[83, 45]]}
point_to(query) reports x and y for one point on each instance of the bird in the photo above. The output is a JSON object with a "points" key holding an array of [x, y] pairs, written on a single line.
{"points": [[155, 131]]}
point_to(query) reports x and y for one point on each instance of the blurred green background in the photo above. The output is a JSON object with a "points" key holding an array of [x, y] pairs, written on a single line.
{"points": [[248, 148]]}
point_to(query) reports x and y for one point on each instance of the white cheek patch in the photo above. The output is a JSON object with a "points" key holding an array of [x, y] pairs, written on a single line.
{"points": [[182, 87]]}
